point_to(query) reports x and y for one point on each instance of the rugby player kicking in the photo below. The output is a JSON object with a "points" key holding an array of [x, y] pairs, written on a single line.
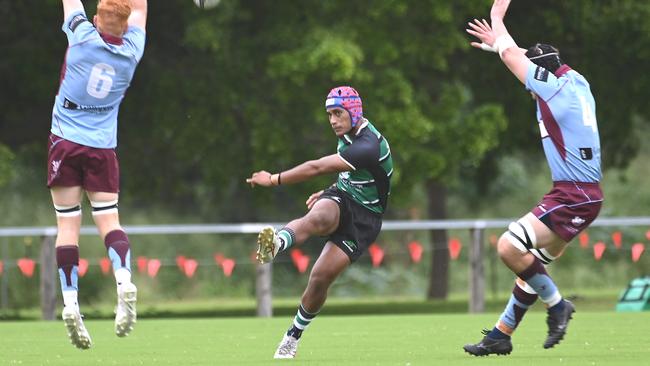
{"points": [[348, 213]]}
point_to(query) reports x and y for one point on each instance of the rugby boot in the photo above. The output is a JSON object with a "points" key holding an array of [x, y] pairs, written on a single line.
{"points": [[125, 312], [268, 245], [488, 346], [74, 324], [287, 348], [557, 322]]}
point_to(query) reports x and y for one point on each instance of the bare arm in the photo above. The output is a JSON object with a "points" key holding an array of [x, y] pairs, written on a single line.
{"points": [[70, 6], [138, 17], [513, 56], [328, 164], [495, 38]]}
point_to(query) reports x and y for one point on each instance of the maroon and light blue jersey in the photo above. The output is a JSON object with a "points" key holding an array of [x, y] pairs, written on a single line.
{"points": [[566, 112], [95, 76]]}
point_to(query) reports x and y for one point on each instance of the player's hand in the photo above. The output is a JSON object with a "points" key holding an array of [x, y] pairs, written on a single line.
{"points": [[481, 29], [499, 9], [312, 199], [261, 178]]}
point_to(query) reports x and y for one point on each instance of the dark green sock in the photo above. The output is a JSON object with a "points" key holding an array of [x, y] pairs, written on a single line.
{"points": [[287, 237]]}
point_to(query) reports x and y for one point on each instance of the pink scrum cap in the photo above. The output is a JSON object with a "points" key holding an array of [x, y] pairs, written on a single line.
{"points": [[347, 98]]}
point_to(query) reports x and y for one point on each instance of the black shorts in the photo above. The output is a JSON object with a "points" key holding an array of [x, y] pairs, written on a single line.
{"points": [[358, 226]]}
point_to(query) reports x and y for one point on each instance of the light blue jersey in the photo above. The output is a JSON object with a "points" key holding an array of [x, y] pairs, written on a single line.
{"points": [[95, 75], [566, 112]]}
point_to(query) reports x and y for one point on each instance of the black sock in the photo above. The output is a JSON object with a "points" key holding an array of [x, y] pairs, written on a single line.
{"points": [[294, 332]]}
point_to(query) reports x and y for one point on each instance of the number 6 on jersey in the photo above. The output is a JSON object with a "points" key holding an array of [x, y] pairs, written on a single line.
{"points": [[100, 81]]}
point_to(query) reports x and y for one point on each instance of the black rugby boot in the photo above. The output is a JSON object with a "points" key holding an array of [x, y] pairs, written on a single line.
{"points": [[557, 323], [488, 346]]}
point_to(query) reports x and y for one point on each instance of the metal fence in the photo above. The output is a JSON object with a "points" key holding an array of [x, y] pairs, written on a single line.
{"points": [[48, 286]]}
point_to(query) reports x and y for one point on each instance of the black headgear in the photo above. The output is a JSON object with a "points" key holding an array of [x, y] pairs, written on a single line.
{"points": [[546, 56]]}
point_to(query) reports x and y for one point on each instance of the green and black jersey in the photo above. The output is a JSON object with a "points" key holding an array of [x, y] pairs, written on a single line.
{"points": [[368, 155]]}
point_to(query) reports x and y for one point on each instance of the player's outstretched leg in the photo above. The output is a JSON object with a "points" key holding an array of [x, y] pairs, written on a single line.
{"points": [[67, 258], [270, 243], [118, 247], [557, 322]]}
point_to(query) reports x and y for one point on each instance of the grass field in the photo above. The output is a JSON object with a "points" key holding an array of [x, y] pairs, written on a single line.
{"points": [[585, 300], [595, 338]]}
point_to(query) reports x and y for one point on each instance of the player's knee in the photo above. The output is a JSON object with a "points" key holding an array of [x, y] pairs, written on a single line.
{"points": [[321, 222], [504, 246]]}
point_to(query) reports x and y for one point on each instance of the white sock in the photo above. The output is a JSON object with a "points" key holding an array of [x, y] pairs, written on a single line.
{"points": [[70, 299], [122, 276]]}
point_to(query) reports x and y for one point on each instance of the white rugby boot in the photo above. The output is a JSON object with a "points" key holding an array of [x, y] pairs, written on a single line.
{"points": [[74, 324], [125, 312], [287, 348], [268, 245]]}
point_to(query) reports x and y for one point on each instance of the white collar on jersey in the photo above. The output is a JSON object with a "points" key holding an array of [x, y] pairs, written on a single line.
{"points": [[364, 123]]}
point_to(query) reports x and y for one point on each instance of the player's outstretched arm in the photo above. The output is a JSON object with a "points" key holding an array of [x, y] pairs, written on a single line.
{"points": [[70, 6], [495, 38], [138, 17], [325, 165], [513, 56]]}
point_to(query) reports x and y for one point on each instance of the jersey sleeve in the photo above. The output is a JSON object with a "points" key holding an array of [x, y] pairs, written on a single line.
{"points": [[362, 154], [542, 82], [77, 27], [135, 38]]}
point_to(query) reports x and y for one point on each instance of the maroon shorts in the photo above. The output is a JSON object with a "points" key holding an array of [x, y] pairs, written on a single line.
{"points": [[70, 165], [569, 207]]}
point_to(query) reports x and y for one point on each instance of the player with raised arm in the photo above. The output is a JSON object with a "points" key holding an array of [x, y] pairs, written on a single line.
{"points": [[349, 213], [100, 61], [567, 122]]}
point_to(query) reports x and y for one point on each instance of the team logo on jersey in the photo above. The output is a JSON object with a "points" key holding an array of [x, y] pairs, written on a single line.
{"points": [[577, 221], [350, 245], [96, 109], [541, 74], [78, 19], [586, 153]]}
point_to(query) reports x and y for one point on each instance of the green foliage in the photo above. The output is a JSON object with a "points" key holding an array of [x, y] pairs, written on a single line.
{"points": [[253, 98], [6, 168], [224, 92]]}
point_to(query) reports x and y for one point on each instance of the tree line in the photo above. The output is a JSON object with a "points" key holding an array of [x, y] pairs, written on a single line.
{"points": [[224, 92]]}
